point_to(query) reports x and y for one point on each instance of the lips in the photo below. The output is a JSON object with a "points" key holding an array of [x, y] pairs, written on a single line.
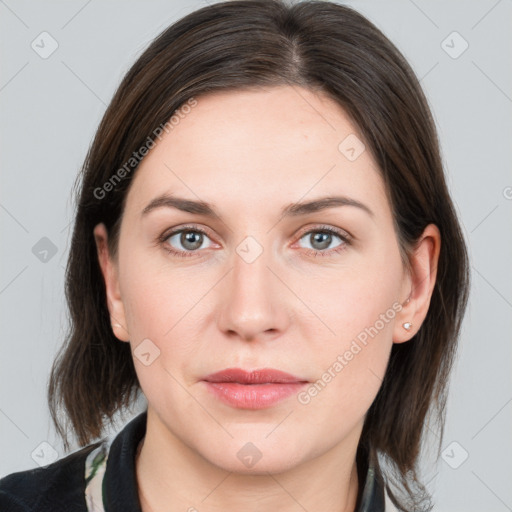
{"points": [[258, 389], [264, 376]]}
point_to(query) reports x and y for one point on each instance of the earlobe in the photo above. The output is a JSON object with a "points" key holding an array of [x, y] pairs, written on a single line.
{"points": [[422, 277], [403, 330], [110, 275]]}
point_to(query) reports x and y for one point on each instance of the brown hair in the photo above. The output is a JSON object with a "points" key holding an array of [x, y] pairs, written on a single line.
{"points": [[322, 46]]}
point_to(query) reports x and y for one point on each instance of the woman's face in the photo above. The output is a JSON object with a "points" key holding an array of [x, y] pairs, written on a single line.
{"points": [[246, 289]]}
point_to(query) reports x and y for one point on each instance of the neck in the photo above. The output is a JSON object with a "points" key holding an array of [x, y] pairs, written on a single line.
{"points": [[171, 476]]}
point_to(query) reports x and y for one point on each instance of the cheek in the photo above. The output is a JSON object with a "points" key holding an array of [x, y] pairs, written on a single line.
{"points": [[358, 296], [162, 306], [158, 312], [156, 296], [351, 372], [359, 307]]}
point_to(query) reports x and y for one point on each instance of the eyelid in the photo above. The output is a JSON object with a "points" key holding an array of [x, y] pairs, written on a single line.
{"points": [[344, 235], [186, 227], [318, 227]]}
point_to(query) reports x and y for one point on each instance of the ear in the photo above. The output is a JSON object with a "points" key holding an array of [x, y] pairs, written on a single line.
{"points": [[422, 279], [110, 272]]}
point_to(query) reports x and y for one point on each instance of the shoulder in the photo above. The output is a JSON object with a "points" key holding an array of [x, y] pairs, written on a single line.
{"points": [[57, 486], [102, 473]]}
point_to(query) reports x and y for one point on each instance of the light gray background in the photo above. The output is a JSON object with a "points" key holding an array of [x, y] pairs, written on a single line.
{"points": [[50, 109]]}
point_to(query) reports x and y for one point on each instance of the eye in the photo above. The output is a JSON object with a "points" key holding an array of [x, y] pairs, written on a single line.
{"points": [[188, 240], [185, 241], [321, 240]]}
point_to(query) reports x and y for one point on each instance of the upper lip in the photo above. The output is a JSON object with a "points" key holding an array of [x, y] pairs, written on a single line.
{"points": [[265, 375]]}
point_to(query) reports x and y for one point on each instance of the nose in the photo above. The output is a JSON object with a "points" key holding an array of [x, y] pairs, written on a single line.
{"points": [[254, 300]]}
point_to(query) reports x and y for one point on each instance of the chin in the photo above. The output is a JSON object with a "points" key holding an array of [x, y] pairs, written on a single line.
{"points": [[256, 458]]}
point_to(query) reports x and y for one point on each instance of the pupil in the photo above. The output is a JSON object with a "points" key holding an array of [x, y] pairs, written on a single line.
{"points": [[188, 237], [326, 239]]}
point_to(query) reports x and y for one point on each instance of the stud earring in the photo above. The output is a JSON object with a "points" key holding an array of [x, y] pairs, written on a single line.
{"points": [[407, 326]]}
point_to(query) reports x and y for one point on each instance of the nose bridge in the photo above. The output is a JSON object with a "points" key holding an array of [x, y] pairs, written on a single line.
{"points": [[252, 301], [250, 272]]}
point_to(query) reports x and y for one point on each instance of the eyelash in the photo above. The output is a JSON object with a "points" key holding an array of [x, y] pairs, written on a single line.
{"points": [[311, 252]]}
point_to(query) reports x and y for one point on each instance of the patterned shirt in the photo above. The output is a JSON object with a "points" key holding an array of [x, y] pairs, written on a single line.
{"points": [[101, 478]]}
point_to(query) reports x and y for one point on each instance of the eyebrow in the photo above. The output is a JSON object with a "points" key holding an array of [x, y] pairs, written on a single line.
{"points": [[292, 210]]}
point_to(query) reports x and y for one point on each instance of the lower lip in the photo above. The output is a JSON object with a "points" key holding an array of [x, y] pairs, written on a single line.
{"points": [[253, 396]]}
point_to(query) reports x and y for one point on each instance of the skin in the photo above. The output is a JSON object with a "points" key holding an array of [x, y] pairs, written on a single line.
{"points": [[250, 154]]}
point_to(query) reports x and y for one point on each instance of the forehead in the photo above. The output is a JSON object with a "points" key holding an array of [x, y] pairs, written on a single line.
{"points": [[251, 148]]}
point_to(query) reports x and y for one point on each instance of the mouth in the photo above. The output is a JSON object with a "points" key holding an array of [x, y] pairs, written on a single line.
{"points": [[258, 389]]}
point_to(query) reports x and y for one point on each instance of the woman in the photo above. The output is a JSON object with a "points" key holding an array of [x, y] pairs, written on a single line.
{"points": [[265, 247]]}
